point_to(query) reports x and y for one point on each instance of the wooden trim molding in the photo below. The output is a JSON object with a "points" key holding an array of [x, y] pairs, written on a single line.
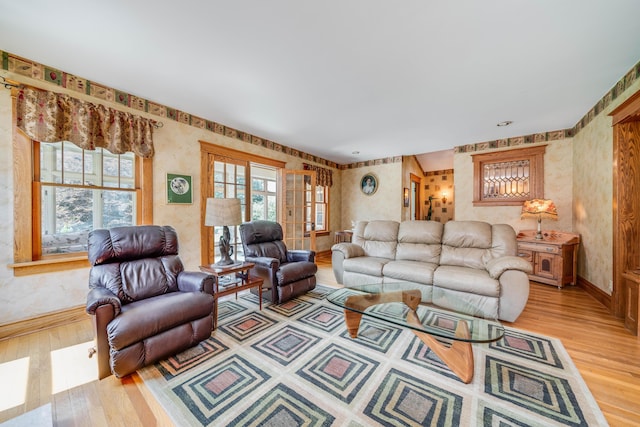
{"points": [[42, 322], [598, 294]]}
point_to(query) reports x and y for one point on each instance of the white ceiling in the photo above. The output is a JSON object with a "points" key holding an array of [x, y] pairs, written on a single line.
{"points": [[380, 77]]}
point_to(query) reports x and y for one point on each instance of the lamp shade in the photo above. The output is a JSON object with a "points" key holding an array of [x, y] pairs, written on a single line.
{"points": [[539, 208], [221, 212]]}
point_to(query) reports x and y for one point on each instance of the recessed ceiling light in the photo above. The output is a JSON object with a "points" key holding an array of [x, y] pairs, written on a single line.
{"points": [[505, 123], [355, 152]]}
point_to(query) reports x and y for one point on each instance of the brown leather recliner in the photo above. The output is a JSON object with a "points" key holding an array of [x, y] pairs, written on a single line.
{"points": [[286, 273], [145, 306]]}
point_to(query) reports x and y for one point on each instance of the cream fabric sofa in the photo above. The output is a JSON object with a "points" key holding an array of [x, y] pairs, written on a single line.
{"points": [[467, 266]]}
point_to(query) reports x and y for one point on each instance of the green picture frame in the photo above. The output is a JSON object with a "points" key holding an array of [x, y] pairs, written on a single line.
{"points": [[179, 189]]}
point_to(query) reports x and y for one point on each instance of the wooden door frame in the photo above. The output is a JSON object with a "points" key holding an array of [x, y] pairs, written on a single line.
{"points": [[624, 151], [208, 153]]}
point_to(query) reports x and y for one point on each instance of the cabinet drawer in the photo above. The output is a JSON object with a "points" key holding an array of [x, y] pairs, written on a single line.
{"points": [[539, 247], [525, 255]]}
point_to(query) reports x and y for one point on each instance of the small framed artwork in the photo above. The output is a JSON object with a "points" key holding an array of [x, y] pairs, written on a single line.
{"points": [[179, 189], [369, 184], [405, 197]]}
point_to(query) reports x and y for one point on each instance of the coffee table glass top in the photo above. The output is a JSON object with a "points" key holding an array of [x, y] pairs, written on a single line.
{"points": [[399, 304]]}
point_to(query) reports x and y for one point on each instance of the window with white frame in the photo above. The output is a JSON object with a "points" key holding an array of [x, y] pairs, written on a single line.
{"points": [[81, 190]]}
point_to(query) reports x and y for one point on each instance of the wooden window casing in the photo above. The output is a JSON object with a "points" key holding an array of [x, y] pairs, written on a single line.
{"points": [[529, 187]]}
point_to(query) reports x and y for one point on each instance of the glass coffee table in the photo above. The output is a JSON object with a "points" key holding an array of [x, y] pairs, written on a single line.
{"points": [[399, 304]]}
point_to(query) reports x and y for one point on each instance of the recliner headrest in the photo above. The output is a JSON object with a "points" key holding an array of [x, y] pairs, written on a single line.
{"points": [[260, 231], [121, 244]]}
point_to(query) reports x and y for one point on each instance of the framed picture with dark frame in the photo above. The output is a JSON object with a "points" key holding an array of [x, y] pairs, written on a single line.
{"points": [[369, 184], [179, 189]]}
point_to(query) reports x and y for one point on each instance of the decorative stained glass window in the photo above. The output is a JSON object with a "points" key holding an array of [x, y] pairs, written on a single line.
{"points": [[508, 177]]}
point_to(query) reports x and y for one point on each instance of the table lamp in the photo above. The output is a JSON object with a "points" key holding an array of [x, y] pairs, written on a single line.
{"points": [[539, 208], [223, 212]]}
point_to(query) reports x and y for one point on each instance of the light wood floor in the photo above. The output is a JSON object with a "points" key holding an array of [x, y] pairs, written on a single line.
{"points": [[607, 356]]}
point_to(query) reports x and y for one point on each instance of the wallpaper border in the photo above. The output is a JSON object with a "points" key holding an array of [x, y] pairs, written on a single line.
{"points": [[32, 69]]}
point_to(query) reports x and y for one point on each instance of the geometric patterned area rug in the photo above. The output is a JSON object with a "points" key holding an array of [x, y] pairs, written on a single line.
{"points": [[295, 364]]}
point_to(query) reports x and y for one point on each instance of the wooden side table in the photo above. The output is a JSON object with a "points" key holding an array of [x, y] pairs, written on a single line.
{"points": [[342, 236], [554, 258], [231, 280]]}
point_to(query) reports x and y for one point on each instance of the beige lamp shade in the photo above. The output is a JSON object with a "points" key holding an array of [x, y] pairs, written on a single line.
{"points": [[221, 212], [538, 209]]}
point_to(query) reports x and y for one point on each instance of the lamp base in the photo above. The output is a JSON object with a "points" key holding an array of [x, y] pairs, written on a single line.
{"points": [[539, 234]]}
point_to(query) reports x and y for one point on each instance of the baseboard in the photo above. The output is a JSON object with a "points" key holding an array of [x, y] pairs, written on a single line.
{"points": [[597, 293], [42, 322]]}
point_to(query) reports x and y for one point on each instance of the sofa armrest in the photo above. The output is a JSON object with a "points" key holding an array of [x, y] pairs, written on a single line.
{"points": [[497, 266], [296, 255], [348, 250], [102, 296], [195, 281]]}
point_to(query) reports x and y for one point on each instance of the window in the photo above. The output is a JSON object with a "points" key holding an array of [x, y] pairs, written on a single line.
{"points": [[264, 189], [62, 192], [505, 178], [80, 191], [322, 208]]}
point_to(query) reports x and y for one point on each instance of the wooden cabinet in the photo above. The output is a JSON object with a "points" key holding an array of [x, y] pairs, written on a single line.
{"points": [[554, 258]]}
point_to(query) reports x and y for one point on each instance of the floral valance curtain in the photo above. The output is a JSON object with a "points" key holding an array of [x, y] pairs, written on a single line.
{"points": [[324, 177], [52, 117]]}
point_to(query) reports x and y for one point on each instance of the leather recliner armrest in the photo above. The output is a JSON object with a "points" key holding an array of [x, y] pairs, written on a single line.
{"points": [[264, 262], [102, 296], [296, 255], [195, 281]]}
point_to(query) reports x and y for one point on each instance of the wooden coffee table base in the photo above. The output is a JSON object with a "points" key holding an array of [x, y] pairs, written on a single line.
{"points": [[458, 357]]}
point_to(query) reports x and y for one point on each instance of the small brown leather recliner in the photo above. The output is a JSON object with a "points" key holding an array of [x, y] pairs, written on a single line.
{"points": [[144, 305], [286, 273]]}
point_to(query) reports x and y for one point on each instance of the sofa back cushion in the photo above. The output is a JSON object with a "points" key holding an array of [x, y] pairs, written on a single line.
{"points": [[466, 243], [474, 243], [136, 262], [420, 241], [377, 238]]}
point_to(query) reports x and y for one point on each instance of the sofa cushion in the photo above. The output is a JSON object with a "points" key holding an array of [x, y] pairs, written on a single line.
{"points": [[464, 302], [410, 271], [466, 244], [143, 319], [465, 279], [371, 266], [419, 241], [378, 238]]}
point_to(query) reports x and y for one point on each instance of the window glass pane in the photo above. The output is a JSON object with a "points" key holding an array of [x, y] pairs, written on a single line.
{"points": [[92, 167], [218, 172], [271, 208], [71, 164], [240, 171], [271, 186], [111, 164], [257, 207], [51, 162], [66, 218], [127, 165], [257, 184], [118, 208]]}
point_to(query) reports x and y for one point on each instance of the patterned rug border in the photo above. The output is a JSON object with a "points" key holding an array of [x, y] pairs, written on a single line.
{"points": [[295, 364]]}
